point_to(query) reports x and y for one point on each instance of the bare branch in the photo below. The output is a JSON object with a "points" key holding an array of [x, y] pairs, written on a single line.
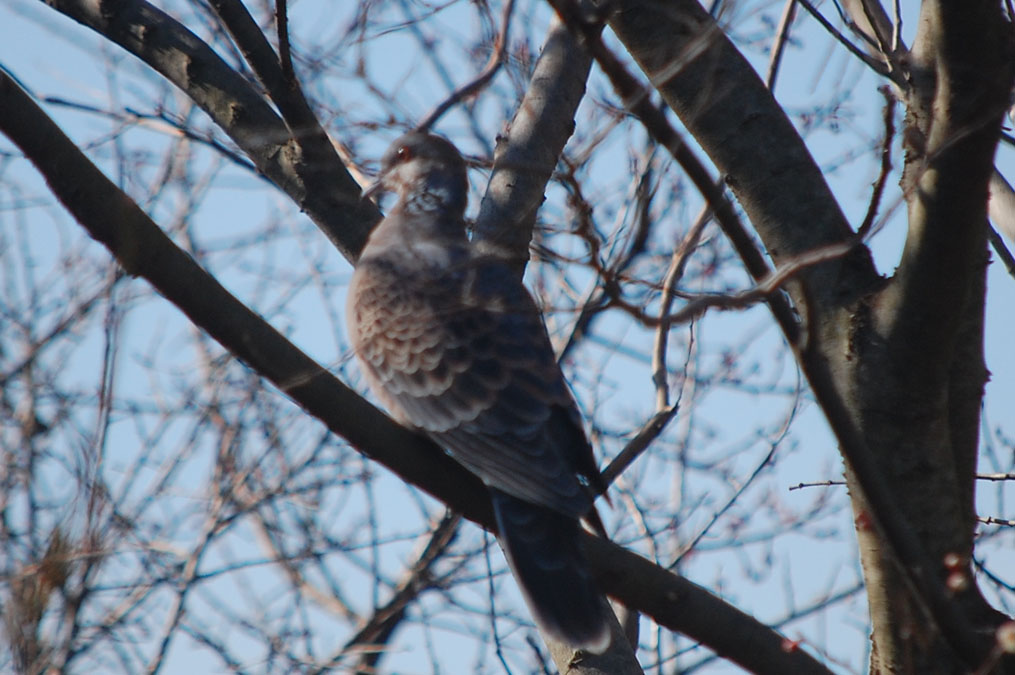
{"points": [[526, 156], [472, 88], [886, 164], [822, 483], [322, 188], [779, 43]]}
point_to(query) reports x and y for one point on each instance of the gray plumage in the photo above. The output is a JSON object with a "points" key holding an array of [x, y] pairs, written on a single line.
{"points": [[453, 345]]}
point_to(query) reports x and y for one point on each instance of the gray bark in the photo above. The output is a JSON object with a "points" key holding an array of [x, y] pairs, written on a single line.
{"points": [[905, 353]]}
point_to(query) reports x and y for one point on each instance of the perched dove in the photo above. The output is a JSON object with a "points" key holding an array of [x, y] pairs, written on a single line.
{"points": [[453, 344]]}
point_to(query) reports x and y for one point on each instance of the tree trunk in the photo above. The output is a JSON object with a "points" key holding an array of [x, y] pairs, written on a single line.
{"points": [[907, 353]]}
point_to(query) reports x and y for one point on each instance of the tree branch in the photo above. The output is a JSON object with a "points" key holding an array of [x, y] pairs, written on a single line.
{"points": [[951, 138], [733, 116], [526, 155], [322, 187]]}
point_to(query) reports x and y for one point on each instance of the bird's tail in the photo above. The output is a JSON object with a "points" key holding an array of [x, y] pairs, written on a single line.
{"points": [[543, 551]]}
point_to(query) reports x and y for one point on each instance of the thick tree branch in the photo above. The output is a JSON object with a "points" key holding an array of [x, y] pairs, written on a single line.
{"points": [[954, 123], [317, 181], [526, 155], [672, 600], [731, 113], [310, 153], [921, 386], [142, 249], [267, 66]]}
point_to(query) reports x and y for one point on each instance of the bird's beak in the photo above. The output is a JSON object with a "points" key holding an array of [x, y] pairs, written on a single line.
{"points": [[373, 188]]}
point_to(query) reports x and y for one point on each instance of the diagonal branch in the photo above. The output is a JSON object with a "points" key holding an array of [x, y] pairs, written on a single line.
{"points": [[373, 637], [732, 114], [526, 155], [318, 182], [311, 148]]}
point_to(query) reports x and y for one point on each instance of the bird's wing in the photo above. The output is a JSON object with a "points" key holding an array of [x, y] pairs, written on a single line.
{"points": [[463, 355]]}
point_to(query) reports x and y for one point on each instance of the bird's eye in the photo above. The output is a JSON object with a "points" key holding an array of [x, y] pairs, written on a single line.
{"points": [[403, 154]]}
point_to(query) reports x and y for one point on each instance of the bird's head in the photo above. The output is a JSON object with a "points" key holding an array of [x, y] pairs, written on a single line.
{"points": [[426, 172]]}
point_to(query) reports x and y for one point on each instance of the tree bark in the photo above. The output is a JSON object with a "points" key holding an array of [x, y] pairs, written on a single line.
{"points": [[906, 354], [919, 368]]}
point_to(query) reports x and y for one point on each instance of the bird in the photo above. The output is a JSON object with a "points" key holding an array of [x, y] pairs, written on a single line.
{"points": [[454, 346]]}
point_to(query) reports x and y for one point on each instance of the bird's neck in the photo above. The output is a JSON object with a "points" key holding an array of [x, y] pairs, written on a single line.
{"points": [[435, 190], [432, 202], [414, 225]]}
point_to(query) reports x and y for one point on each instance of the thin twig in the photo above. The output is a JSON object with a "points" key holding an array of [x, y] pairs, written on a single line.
{"points": [[677, 265], [692, 543], [982, 568], [764, 290], [489, 70], [1001, 249], [637, 445], [886, 163], [991, 520], [160, 123], [779, 44], [875, 65], [822, 483], [370, 641]]}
